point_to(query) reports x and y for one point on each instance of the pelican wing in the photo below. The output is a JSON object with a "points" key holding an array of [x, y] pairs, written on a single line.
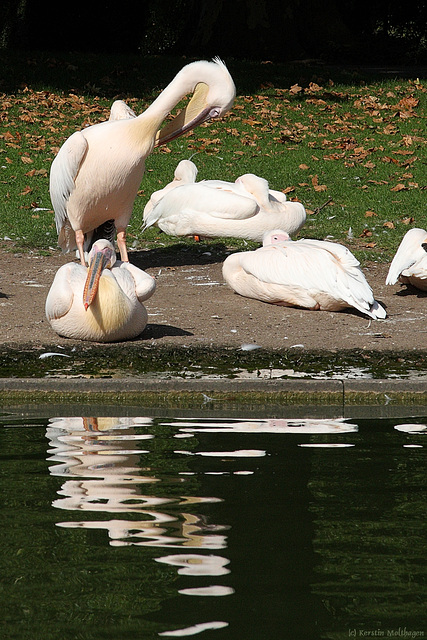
{"points": [[61, 295], [418, 270], [130, 278], [201, 201], [63, 173], [312, 268], [287, 264]]}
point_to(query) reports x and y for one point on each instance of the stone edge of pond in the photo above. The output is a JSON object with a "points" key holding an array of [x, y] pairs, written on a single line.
{"points": [[178, 392]]}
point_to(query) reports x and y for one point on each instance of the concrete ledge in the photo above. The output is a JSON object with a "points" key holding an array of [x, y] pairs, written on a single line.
{"points": [[180, 391]]}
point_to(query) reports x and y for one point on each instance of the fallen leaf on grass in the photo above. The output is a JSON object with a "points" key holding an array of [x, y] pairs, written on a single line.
{"points": [[408, 220], [389, 225], [399, 187], [369, 214], [36, 172], [316, 185]]}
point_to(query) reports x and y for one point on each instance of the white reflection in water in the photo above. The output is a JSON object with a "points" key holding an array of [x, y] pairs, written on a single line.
{"points": [[213, 590], [104, 476], [240, 453], [193, 564], [272, 425], [106, 463], [412, 428], [193, 630], [327, 445]]}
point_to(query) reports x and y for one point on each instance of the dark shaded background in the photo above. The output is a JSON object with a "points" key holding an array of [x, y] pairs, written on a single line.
{"points": [[356, 31]]}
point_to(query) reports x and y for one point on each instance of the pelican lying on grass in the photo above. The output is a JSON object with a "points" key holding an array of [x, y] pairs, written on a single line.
{"points": [[121, 111], [97, 172], [314, 274], [102, 303], [409, 265], [185, 173], [246, 208]]}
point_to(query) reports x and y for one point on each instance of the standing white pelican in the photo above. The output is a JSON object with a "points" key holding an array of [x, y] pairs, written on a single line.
{"points": [[314, 274], [97, 172], [409, 265], [246, 209], [102, 303]]}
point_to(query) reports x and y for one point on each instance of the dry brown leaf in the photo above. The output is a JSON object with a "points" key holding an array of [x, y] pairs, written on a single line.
{"points": [[295, 89], [399, 187], [288, 190], [304, 167], [370, 214], [408, 220], [26, 191], [320, 187], [26, 160], [389, 225]]}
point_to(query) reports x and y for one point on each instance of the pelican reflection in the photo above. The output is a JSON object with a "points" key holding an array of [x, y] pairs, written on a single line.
{"points": [[105, 465]]}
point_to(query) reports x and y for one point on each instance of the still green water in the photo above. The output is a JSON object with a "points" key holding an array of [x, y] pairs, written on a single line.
{"points": [[219, 528]]}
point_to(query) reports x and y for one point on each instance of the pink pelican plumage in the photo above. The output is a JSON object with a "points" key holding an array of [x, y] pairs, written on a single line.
{"points": [[409, 265], [313, 274], [102, 303], [97, 172], [246, 208]]}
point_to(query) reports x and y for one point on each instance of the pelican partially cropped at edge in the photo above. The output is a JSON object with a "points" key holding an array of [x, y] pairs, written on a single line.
{"points": [[97, 172], [409, 265], [246, 208], [102, 303], [314, 274]]}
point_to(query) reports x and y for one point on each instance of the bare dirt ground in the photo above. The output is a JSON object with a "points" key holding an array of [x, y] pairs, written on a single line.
{"points": [[193, 306]]}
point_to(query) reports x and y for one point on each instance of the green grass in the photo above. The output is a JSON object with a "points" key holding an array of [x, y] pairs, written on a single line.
{"points": [[354, 141]]}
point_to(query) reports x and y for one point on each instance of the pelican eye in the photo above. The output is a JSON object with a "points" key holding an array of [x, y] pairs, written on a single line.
{"points": [[424, 246], [215, 112]]}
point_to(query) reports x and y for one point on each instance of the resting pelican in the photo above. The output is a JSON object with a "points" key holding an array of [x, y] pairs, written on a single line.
{"points": [[97, 172], [185, 173], [314, 274], [246, 209], [121, 111], [102, 303], [409, 265]]}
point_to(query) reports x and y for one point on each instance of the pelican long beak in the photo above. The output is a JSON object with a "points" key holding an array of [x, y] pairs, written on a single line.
{"points": [[96, 267], [194, 114]]}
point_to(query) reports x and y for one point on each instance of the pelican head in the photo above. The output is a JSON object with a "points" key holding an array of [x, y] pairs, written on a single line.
{"points": [[213, 95], [256, 186], [101, 256], [275, 236]]}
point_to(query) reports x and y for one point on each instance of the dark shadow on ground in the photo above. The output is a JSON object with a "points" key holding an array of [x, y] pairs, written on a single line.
{"points": [[411, 291], [179, 255], [156, 331]]}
